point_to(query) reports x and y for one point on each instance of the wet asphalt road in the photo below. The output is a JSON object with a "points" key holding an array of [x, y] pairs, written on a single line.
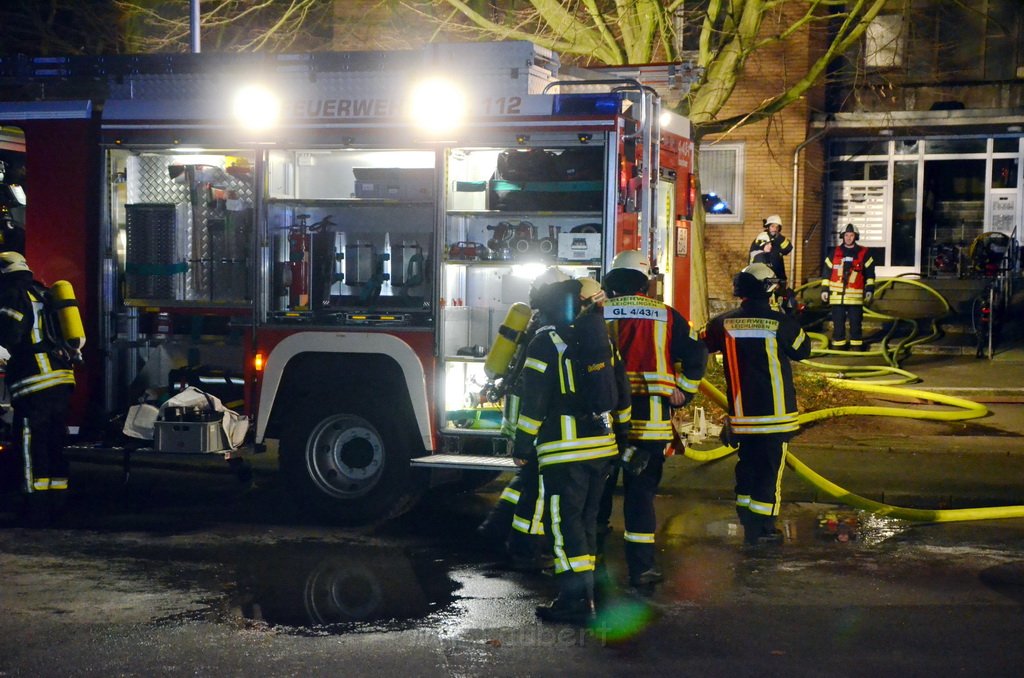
{"points": [[195, 573]]}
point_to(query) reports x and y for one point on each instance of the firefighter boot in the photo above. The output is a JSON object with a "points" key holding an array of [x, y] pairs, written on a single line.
{"points": [[528, 552], [573, 605], [494, 530], [761, 531]]}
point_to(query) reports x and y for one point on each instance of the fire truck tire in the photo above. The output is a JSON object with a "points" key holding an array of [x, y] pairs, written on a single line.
{"points": [[347, 469]]}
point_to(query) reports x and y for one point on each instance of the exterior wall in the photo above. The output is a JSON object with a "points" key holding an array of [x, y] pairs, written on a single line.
{"points": [[969, 53], [768, 174]]}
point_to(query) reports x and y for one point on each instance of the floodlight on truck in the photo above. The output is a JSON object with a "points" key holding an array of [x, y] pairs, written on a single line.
{"points": [[256, 107]]}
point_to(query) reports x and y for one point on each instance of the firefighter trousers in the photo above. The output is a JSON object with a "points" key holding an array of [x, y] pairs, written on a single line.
{"points": [[41, 420], [573, 494], [512, 507], [638, 492], [841, 313], [759, 468]]}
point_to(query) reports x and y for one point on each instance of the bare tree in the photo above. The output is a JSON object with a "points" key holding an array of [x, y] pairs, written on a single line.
{"points": [[229, 25]]}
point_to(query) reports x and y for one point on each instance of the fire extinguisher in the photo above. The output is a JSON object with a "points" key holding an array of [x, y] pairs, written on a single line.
{"points": [[298, 263]]}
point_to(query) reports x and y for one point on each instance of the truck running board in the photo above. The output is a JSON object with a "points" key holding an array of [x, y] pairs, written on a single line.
{"points": [[465, 462]]}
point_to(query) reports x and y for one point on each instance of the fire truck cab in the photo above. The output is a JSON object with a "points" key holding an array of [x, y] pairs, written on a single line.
{"points": [[330, 242]]}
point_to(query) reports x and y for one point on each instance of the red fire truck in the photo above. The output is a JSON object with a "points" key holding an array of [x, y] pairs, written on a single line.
{"points": [[330, 241]]}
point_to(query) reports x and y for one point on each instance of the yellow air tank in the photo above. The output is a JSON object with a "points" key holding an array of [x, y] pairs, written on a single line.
{"points": [[509, 335], [71, 327]]}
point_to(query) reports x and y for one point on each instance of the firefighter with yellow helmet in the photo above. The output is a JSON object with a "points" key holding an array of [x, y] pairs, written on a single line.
{"points": [[43, 348], [664, 364]]}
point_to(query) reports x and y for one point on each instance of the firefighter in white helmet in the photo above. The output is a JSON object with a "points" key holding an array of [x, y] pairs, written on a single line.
{"points": [[664, 363], [757, 344], [770, 246], [40, 380]]}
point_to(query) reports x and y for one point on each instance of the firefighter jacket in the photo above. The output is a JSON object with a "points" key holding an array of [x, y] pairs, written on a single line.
{"points": [[781, 246], [853, 274], [757, 345], [36, 362], [550, 422], [661, 353]]}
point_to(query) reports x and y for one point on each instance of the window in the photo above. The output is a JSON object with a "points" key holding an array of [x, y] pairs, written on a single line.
{"points": [[721, 182], [883, 42]]}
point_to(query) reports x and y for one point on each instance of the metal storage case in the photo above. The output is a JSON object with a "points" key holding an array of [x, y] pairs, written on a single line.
{"points": [[189, 437]]}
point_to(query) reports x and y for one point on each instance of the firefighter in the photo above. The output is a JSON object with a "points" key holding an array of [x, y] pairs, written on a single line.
{"points": [[40, 380], [850, 285], [573, 451], [757, 345], [12, 196], [770, 246], [516, 523], [664, 363]]}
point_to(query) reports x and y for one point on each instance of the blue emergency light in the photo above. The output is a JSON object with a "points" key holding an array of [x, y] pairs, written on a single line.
{"points": [[605, 103]]}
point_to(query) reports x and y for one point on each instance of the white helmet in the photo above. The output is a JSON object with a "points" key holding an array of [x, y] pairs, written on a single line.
{"points": [[773, 219], [633, 260], [762, 238], [551, 274], [754, 282], [629, 273], [590, 291], [12, 262]]}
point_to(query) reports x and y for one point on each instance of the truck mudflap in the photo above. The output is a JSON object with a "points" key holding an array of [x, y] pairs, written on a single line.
{"points": [[465, 462]]}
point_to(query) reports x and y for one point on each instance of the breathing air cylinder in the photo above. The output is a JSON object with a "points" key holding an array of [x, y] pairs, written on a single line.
{"points": [[509, 334], [71, 327]]}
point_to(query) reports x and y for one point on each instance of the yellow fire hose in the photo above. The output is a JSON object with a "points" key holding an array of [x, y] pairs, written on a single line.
{"points": [[964, 409]]}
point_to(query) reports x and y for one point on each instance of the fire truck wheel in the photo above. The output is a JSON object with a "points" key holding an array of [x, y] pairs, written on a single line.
{"points": [[347, 469]]}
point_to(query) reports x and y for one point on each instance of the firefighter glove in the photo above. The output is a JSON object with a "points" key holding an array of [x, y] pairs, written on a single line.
{"points": [[824, 297], [634, 460], [727, 437]]}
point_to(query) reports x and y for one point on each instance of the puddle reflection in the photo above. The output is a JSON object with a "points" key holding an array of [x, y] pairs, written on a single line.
{"points": [[325, 589]]}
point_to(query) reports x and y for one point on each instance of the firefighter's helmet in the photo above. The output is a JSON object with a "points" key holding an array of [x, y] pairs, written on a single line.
{"points": [[557, 303], [850, 228], [590, 291], [756, 281], [773, 219], [762, 238], [629, 273], [550, 275], [12, 262]]}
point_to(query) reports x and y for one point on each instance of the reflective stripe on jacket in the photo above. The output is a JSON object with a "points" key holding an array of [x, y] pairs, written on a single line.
{"points": [[548, 416], [853, 273]]}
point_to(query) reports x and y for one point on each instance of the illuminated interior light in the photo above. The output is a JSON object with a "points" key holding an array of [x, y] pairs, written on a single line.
{"points": [[528, 271], [256, 107]]}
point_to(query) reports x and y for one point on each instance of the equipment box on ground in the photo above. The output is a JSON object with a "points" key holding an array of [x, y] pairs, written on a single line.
{"points": [[189, 436]]}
